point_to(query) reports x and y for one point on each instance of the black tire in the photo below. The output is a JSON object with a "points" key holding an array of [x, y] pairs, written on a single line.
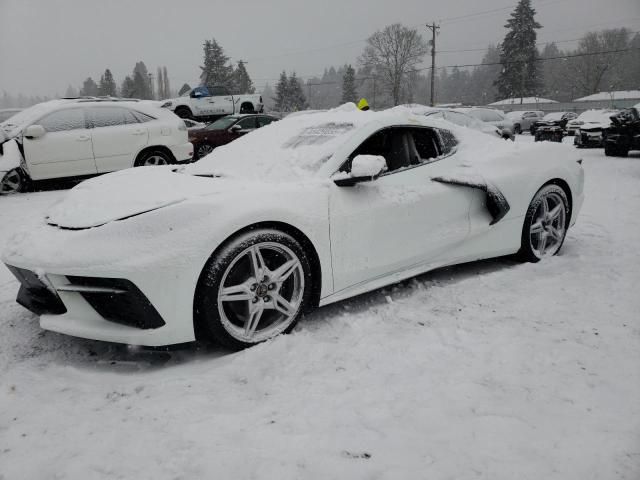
{"points": [[247, 108], [612, 150], [13, 181], [184, 112], [208, 320], [202, 150], [152, 158], [527, 252]]}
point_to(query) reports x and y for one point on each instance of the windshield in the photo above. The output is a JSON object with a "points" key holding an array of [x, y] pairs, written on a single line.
{"points": [[596, 116], [223, 123], [290, 149]]}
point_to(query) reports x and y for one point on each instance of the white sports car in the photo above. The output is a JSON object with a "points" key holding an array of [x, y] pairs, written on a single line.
{"points": [[301, 213]]}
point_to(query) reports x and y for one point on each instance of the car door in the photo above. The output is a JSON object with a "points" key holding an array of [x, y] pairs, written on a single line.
{"points": [[65, 150], [117, 137], [221, 102], [402, 220]]}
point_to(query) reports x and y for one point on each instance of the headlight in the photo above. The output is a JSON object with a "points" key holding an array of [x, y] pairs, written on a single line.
{"points": [[166, 104]]}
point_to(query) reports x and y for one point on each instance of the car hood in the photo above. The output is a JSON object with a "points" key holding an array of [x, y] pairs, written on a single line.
{"points": [[131, 192]]}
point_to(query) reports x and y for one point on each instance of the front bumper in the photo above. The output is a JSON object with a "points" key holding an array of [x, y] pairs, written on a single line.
{"points": [[588, 139], [182, 153]]}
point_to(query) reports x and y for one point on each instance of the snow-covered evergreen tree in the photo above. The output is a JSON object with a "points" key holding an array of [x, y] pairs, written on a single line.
{"points": [[296, 94], [107, 84], [520, 75], [142, 81], [282, 99], [184, 89], [241, 80], [89, 88], [159, 84], [349, 93], [71, 92], [128, 87], [216, 70]]}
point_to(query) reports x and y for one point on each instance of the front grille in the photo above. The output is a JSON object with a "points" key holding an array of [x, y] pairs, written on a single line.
{"points": [[35, 295]]}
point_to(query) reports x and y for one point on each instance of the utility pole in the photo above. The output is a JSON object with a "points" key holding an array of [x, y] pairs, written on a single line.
{"points": [[434, 31]]}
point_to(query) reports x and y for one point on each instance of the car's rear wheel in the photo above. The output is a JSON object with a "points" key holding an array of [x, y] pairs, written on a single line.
{"points": [[203, 150], [153, 158], [184, 112], [254, 289], [545, 224], [12, 181]]}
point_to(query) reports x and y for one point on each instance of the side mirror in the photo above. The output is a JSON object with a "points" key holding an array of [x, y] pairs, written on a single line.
{"points": [[34, 131], [364, 168], [235, 129]]}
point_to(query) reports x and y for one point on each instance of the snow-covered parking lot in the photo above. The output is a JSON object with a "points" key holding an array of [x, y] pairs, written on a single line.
{"points": [[491, 370]]}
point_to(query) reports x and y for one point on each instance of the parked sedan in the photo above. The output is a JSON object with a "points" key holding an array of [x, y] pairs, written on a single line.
{"points": [[457, 118], [522, 120], [553, 122], [225, 130], [78, 138], [495, 117], [590, 126], [306, 212]]}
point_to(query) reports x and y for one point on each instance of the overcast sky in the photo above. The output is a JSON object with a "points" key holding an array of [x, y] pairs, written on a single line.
{"points": [[46, 45]]}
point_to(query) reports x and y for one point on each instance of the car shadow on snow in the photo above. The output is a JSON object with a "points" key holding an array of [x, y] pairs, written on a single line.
{"points": [[105, 356]]}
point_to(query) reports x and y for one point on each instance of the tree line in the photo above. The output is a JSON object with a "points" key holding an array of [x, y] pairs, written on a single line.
{"points": [[389, 72]]}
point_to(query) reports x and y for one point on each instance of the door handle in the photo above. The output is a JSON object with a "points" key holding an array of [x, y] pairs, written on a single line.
{"points": [[83, 138], [138, 132]]}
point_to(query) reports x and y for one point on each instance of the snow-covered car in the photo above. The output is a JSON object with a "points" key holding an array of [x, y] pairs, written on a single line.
{"points": [[494, 117], [553, 122], [192, 124], [457, 118], [78, 138], [522, 120], [303, 213], [589, 126], [202, 103], [7, 113]]}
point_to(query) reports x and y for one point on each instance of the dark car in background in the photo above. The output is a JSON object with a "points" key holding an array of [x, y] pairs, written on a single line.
{"points": [[624, 133], [225, 130], [552, 127]]}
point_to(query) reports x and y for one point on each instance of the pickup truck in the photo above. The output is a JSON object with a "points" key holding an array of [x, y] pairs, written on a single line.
{"points": [[202, 103]]}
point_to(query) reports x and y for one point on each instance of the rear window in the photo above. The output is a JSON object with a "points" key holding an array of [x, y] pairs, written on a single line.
{"points": [[111, 116], [318, 134], [449, 142]]}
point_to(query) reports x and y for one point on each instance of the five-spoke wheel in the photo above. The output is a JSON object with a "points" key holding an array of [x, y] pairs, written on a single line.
{"points": [[545, 224], [12, 181], [254, 289]]}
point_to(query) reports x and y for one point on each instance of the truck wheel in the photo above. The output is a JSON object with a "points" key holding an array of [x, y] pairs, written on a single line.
{"points": [[246, 108], [184, 112]]}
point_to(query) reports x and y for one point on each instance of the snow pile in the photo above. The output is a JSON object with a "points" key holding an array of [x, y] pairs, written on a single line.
{"points": [[527, 100], [617, 95]]}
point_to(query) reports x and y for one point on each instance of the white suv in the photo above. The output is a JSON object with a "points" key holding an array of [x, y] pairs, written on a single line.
{"points": [[76, 138]]}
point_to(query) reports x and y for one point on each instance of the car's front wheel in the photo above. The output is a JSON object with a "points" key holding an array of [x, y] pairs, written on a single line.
{"points": [[254, 289], [12, 181], [545, 224], [203, 150]]}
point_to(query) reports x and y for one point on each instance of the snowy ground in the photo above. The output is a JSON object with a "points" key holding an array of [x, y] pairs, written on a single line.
{"points": [[492, 370]]}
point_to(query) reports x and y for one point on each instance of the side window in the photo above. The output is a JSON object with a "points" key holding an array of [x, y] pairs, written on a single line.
{"points": [[262, 121], [111, 116], [63, 120], [248, 123], [141, 117], [448, 141], [423, 145]]}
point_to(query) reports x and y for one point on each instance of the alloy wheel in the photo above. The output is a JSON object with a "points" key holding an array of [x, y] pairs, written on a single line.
{"points": [[261, 292], [11, 182], [154, 160], [204, 150], [549, 225]]}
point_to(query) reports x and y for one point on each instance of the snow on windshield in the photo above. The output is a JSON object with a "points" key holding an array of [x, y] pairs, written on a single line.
{"points": [[291, 148], [596, 116]]}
